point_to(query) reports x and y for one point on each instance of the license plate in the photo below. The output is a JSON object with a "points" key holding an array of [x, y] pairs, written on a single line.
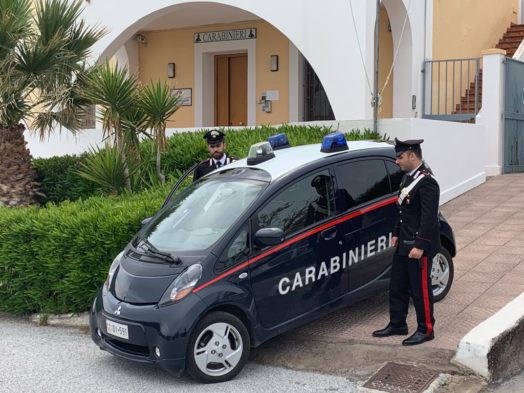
{"points": [[117, 329]]}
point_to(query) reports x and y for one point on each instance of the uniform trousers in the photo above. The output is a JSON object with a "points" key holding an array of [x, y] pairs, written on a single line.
{"points": [[411, 277]]}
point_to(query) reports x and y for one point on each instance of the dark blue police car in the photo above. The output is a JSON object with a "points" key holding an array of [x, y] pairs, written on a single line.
{"points": [[253, 249]]}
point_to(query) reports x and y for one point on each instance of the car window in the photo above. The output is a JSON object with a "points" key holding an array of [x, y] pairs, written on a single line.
{"points": [[395, 175], [198, 216], [363, 181], [300, 204], [236, 252]]}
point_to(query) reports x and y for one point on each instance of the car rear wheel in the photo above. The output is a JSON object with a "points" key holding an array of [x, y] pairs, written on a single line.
{"points": [[442, 272], [218, 348]]}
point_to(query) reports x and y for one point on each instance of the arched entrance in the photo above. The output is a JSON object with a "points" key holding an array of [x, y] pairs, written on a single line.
{"points": [[403, 76], [385, 78]]}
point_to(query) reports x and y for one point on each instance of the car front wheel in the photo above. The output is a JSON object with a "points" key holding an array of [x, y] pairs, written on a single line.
{"points": [[442, 272], [218, 348]]}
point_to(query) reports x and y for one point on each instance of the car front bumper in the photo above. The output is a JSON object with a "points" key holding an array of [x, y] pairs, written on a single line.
{"points": [[157, 335]]}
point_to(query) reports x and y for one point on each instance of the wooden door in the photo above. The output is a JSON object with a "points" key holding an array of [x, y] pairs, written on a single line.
{"points": [[231, 90]]}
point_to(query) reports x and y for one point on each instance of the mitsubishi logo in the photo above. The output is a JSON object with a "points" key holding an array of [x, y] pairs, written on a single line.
{"points": [[117, 311]]}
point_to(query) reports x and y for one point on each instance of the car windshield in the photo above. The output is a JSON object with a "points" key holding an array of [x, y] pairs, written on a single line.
{"points": [[198, 216]]}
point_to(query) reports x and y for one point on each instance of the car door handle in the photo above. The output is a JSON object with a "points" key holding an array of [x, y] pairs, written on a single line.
{"points": [[329, 234]]}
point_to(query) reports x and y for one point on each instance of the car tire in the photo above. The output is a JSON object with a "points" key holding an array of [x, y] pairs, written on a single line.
{"points": [[218, 348], [442, 273]]}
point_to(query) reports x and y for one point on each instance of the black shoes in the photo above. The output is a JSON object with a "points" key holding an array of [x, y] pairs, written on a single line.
{"points": [[391, 331], [418, 338], [415, 339]]}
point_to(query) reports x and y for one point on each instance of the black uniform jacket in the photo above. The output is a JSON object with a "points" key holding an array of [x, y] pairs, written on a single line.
{"points": [[209, 165], [417, 221]]}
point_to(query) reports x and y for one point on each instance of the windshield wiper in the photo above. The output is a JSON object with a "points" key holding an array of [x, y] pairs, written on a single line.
{"points": [[166, 256]]}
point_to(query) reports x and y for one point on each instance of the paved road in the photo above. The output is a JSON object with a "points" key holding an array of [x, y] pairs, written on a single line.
{"points": [[55, 359]]}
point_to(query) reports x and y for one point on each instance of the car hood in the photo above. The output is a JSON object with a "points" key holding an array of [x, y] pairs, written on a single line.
{"points": [[140, 282]]}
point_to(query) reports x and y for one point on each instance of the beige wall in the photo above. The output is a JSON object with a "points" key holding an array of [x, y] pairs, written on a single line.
{"points": [[463, 28], [176, 46], [271, 42], [385, 59], [173, 46]]}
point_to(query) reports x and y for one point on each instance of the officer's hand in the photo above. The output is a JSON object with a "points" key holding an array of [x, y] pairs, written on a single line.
{"points": [[415, 253], [394, 241]]}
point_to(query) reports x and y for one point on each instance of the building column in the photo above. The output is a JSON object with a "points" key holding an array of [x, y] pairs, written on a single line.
{"points": [[491, 114]]}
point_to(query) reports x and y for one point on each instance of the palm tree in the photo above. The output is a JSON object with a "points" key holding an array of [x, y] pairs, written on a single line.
{"points": [[158, 105], [115, 92], [43, 51]]}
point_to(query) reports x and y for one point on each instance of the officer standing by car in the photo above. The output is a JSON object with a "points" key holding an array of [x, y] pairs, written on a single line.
{"points": [[417, 240], [216, 147]]}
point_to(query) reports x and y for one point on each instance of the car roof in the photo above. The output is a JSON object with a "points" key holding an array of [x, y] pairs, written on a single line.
{"points": [[290, 159]]}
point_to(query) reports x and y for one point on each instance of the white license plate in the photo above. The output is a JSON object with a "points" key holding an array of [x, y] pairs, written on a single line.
{"points": [[117, 329]]}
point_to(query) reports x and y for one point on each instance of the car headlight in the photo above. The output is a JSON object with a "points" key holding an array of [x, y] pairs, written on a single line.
{"points": [[182, 285], [112, 270]]}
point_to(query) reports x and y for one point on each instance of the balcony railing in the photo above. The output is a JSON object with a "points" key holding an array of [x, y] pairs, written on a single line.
{"points": [[452, 89]]}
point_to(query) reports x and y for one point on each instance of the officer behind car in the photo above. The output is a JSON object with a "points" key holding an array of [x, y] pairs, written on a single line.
{"points": [[216, 147], [319, 208], [416, 238]]}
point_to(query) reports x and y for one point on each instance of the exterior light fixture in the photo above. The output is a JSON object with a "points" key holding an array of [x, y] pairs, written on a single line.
{"points": [[273, 64], [170, 70]]}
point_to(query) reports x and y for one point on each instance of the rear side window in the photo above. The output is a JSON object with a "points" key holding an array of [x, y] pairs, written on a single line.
{"points": [[300, 204], [362, 181], [395, 175]]}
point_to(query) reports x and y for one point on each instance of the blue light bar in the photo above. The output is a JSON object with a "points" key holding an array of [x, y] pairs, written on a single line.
{"points": [[334, 142], [278, 141]]}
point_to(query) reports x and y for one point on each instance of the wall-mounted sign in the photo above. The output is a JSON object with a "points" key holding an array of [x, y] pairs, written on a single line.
{"points": [[225, 35], [185, 95]]}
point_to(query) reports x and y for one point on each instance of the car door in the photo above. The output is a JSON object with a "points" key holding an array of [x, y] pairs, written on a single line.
{"points": [[372, 212], [304, 272]]}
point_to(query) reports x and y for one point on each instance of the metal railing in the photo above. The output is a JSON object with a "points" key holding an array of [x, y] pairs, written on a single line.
{"points": [[452, 89]]}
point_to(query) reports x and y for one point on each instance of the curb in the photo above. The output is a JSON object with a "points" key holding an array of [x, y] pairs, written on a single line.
{"points": [[66, 320], [494, 349]]}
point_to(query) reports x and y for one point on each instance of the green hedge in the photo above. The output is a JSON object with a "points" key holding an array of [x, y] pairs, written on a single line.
{"points": [[185, 149], [59, 182], [53, 260]]}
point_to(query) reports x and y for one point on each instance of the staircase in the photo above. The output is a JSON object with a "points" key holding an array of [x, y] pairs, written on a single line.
{"points": [[510, 42], [511, 39]]}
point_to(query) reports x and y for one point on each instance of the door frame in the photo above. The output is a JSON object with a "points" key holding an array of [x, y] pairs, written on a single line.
{"points": [[205, 78]]}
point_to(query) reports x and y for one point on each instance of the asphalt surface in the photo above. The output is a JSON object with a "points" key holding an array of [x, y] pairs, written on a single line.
{"points": [[57, 359]]}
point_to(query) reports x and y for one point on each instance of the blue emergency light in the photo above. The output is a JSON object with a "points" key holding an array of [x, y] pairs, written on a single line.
{"points": [[278, 141], [334, 142]]}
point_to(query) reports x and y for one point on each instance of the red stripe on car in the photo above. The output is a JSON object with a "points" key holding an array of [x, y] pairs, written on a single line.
{"points": [[297, 238]]}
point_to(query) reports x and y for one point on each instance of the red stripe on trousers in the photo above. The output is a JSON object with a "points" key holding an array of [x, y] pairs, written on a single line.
{"points": [[425, 295]]}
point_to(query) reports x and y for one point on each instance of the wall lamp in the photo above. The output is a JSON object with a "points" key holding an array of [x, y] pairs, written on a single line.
{"points": [[170, 70], [273, 64]]}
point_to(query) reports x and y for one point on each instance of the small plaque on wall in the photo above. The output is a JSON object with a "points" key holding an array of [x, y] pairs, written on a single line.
{"points": [[186, 95]]}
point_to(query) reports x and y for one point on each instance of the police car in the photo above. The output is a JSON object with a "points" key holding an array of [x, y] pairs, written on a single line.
{"points": [[253, 249]]}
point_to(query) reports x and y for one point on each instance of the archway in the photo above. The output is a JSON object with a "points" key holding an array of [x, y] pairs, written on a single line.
{"points": [[403, 89]]}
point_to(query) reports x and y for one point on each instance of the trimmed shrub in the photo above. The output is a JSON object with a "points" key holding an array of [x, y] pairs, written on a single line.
{"points": [[53, 260], [59, 181], [185, 149]]}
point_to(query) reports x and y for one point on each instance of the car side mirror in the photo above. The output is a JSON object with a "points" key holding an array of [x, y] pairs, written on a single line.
{"points": [[145, 221], [269, 236]]}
